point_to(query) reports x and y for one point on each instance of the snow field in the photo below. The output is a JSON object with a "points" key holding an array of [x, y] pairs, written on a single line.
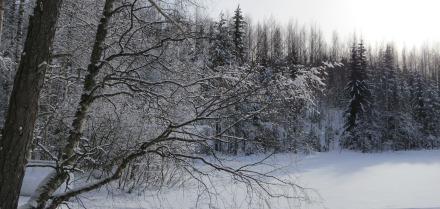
{"points": [[335, 180]]}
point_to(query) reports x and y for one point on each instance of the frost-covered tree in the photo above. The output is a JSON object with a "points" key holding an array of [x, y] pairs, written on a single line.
{"points": [[238, 35], [391, 115], [316, 46], [292, 57], [425, 111], [276, 55], [358, 109], [221, 50], [199, 43], [262, 45], [143, 100]]}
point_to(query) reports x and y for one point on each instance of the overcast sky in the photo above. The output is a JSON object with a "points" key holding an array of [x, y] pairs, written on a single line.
{"points": [[410, 22]]}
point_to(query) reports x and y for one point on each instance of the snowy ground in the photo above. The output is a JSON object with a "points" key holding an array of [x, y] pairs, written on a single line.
{"points": [[393, 180]]}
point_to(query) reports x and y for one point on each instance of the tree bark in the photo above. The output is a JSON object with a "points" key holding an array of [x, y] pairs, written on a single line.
{"points": [[19, 33], [41, 197], [23, 106], [2, 14], [8, 29], [89, 82]]}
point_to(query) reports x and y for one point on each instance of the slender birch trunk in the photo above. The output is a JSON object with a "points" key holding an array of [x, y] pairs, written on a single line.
{"points": [[44, 193]]}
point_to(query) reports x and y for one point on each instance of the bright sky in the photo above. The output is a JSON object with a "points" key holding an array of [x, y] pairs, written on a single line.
{"points": [[406, 22]]}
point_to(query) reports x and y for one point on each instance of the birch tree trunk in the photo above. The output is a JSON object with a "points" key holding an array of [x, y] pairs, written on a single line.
{"points": [[44, 193], [23, 107], [89, 82]]}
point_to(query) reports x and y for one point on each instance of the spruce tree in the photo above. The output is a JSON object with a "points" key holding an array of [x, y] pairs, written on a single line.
{"points": [[394, 133], [238, 36], [359, 94], [425, 105], [221, 46], [391, 80]]}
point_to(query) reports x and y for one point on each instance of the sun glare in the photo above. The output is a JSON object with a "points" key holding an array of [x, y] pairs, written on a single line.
{"points": [[405, 22]]}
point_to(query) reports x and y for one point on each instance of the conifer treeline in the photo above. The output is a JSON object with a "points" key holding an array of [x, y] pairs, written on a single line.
{"points": [[389, 100]]}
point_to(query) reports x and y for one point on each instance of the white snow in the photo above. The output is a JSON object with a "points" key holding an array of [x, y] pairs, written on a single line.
{"points": [[344, 180], [34, 176], [375, 181]]}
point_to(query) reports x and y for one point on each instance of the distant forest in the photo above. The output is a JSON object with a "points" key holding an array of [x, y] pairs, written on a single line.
{"points": [[375, 97]]}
